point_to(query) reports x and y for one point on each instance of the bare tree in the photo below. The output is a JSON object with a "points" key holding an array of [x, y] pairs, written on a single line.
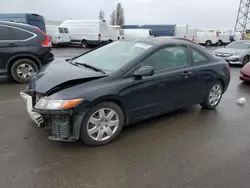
{"points": [[101, 15], [119, 14], [112, 18]]}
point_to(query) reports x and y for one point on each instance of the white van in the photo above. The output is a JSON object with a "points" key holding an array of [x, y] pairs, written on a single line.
{"points": [[58, 35], [181, 31], [87, 32], [224, 35], [115, 33], [192, 35], [132, 34], [207, 37], [237, 36]]}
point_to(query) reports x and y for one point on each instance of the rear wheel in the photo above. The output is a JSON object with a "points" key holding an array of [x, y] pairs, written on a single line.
{"points": [[84, 44], [102, 124], [22, 70], [219, 43], [213, 96], [208, 43], [245, 60]]}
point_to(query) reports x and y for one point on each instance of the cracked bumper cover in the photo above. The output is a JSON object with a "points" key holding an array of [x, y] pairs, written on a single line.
{"points": [[65, 124]]}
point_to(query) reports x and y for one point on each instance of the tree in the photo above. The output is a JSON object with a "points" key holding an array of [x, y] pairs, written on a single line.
{"points": [[119, 14], [101, 15], [112, 18]]}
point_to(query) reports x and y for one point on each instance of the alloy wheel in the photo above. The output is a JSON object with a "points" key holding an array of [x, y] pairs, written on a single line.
{"points": [[215, 95], [103, 124], [25, 71]]}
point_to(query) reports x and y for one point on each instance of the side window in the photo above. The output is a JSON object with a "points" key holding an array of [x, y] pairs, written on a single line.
{"points": [[198, 57], [20, 34], [66, 30], [5, 33], [168, 58], [60, 30]]}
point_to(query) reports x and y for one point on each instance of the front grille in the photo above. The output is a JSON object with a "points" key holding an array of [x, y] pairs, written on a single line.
{"points": [[61, 126], [223, 54]]}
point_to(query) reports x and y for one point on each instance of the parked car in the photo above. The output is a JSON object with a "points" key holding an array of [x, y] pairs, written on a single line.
{"points": [[59, 35], [24, 49], [31, 19], [91, 97], [87, 32], [245, 73], [237, 52]]}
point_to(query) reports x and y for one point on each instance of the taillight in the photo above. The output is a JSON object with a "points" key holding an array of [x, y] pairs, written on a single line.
{"points": [[47, 42], [99, 36]]}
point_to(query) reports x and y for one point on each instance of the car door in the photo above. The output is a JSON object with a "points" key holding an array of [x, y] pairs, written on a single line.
{"points": [[7, 47], [164, 90], [202, 75]]}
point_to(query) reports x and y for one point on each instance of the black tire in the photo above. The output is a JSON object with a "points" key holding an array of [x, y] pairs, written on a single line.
{"points": [[208, 43], [219, 43], [84, 44], [206, 104], [84, 132], [245, 60], [16, 64]]}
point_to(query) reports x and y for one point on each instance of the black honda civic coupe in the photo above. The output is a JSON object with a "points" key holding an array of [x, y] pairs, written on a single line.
{"points": [[92, 96]]}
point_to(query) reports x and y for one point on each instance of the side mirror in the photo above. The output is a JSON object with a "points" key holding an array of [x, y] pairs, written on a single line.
{"points": [[144, 71]]}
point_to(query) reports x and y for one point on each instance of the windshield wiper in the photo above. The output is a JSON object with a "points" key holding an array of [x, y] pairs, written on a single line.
{"points": [[90, 66]]}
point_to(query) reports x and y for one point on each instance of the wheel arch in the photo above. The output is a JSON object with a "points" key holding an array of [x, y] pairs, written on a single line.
{"points": [[115, 99], [13, 59]]}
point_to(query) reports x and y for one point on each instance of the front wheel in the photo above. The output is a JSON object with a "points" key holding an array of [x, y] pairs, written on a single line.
{"points": [[102, 124], [213, 96]]}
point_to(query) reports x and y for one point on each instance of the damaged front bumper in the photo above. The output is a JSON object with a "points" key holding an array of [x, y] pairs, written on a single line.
{"points": [[65, 124], [36, 117]]}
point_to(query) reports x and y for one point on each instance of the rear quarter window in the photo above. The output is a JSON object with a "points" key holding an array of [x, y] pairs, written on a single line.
{"points": [[5, 33], [198, 57], [21, 34]]}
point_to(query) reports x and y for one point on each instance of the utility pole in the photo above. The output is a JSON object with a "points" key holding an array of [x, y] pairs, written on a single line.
{"points": [[243, 17]]}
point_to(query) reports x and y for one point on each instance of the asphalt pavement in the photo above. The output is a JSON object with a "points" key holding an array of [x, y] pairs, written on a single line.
{"points": [[190, 148]]}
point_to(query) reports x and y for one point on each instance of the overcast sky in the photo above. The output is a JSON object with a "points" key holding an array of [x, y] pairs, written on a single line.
{"points": [[196, 13]]}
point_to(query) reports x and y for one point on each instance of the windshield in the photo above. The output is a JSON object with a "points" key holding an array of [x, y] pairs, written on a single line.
{"points": [[113, 56], [239, 45]]}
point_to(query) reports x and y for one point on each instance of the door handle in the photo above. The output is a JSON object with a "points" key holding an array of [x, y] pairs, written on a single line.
{"points": [[12, 45], [186, 73]]}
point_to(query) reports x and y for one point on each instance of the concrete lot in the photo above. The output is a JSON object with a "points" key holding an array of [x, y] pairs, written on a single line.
{"points": [[190, 148]]}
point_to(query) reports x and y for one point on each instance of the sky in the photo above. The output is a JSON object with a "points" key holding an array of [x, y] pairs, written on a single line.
{"points": [[195, 13]]}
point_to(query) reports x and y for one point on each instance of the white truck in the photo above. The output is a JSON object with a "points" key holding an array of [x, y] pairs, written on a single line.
{"points": [[87, 32], [183, 31], [133, 34], [115, 33], [207, 36], [58, 35]]}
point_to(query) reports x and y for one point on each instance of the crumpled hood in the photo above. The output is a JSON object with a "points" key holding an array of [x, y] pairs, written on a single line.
{"points": [[230, 50], [58, 72]]}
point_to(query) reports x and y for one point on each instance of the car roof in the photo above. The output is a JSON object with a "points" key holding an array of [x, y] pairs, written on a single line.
{"points": [[165, 40], [14, 24]]}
